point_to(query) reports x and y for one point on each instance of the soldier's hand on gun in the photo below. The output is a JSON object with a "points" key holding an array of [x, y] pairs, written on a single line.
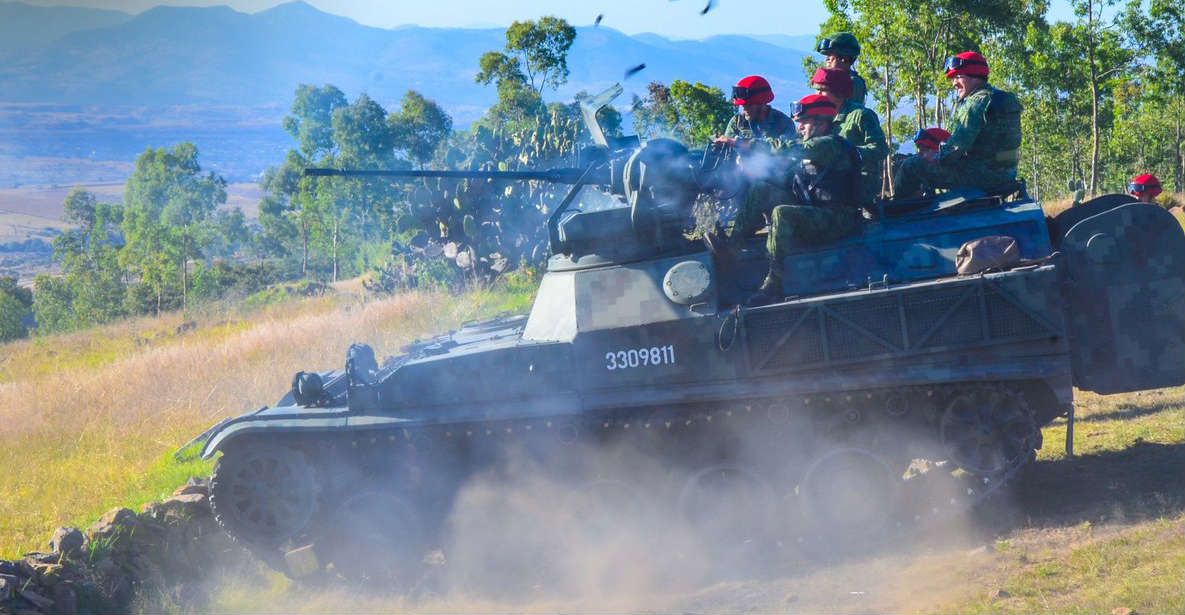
{"points": [[723, 140]]}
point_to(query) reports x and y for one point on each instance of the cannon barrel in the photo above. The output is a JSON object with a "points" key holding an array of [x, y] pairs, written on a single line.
{"points": [[555, 176]]}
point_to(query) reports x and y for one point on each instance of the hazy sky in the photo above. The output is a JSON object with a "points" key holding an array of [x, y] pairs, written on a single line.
{"points": [[671, 18]]}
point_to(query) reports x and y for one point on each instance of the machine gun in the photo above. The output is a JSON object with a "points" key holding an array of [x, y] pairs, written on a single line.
{"points": [[659, 179]]}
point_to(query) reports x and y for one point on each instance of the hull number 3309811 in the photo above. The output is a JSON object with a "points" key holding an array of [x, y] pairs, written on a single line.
{"points": [[640, 357]]}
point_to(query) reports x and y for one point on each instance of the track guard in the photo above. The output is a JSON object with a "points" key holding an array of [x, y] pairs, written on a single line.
{"points": [[1125, 294]]}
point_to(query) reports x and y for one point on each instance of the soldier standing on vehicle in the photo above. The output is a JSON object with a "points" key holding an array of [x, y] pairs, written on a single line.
{"points": [[859, 125], [757, 121], [983, 147], [1145, 188], [820, 192], [840, 50]]}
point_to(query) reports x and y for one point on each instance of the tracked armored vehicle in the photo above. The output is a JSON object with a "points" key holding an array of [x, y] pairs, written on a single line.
{"points": [[880, 355]]}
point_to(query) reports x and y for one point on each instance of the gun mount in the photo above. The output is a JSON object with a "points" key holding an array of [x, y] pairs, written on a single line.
{"points": [[878, 355]]}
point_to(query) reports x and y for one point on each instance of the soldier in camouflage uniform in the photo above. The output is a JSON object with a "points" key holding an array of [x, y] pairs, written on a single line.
{"points": [[820, 194], [983, 147], [840, 50], [757, 122], [860, 126]]}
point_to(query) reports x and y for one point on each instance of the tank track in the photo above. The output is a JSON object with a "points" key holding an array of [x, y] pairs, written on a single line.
{"points": [[869, 421]]}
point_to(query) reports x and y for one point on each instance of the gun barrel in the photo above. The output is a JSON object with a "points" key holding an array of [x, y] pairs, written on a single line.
{"points": [[557, 176]]}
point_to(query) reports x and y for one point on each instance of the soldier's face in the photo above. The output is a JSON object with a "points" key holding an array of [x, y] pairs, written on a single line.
{"points": [[756, 111], [811, 126], [1145, 197], [835, 61], [966, 84]]}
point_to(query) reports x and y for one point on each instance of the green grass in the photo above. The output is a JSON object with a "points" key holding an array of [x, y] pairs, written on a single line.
{"points": [[1141, 569], [1104, 529], [89, 420]]}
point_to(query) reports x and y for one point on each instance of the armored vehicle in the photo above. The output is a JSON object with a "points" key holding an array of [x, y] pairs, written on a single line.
{"points": [[880, 355]]}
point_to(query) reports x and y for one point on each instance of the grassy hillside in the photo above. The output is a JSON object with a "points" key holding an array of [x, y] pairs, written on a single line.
{"points": [[89, 420]]}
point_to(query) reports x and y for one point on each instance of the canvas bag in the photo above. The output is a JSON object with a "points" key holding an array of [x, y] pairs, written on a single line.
{"points": [[992, 252]]}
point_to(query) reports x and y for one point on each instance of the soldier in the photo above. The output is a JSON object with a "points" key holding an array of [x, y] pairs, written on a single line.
{"points": [[860, 126], [757, 119], [928, 142], [840, 50], [1145, 188], [820, 192], [982, 150]]}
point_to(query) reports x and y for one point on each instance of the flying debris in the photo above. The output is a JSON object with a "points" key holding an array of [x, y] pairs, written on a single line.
{"points": [[636, 103], [708, 7], [599, 18], [631, 72]]}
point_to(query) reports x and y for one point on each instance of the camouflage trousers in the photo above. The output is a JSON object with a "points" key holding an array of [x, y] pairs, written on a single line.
{"points": [[791, 225], [917, 174], [795, 226]]}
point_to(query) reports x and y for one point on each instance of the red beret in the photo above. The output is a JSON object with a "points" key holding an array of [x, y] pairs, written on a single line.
{"points": [[837, 80], [814, 105], [967, 63]]}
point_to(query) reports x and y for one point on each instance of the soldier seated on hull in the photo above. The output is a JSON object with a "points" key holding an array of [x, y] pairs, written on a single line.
{"points": [[1145, 188], [757, 121], [859, 125], [981, 152], [928, 142], [817, 202]]}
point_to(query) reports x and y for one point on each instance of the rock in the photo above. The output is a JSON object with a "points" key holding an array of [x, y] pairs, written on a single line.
{"points": [[37, 557], [48, 574], [113, 522], [1122, 610], [998, 594], [192, 504], [65, 599], [39, 601], [67, 541], [193, 485]]}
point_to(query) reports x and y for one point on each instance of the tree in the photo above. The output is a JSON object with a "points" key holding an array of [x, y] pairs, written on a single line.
{"points": [[703, 110], [167, 207], [420, 127], [691, 113], [1160, 32], [534, 59], [16, 305], [312, 116], [92, 284]]}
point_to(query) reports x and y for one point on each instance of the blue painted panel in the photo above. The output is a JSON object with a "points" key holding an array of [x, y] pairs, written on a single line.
{"points": [[918, 247]]}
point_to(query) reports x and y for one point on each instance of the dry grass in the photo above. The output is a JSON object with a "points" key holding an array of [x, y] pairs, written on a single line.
{"points": [[88, 420]]}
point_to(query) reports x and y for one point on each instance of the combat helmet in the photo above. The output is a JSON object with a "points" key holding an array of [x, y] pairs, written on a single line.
{"points": [[839, 44]]}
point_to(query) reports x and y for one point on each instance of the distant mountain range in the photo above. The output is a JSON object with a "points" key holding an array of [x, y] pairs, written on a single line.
{"points": [[219, 56]]}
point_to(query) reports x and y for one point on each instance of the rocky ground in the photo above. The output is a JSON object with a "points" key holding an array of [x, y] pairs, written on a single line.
{"points": [[125, 561]]}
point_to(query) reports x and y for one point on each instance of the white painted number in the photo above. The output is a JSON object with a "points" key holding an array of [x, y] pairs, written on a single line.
{"points": [[640, 357]]}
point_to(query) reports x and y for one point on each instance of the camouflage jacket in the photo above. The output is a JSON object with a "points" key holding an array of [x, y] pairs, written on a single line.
{"points": [[859, 88], [826, 172], [985, 128], [777, 130], [862, 128]]}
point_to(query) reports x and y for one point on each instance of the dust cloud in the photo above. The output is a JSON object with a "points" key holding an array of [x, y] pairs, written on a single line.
{"points": [[618, 526]]}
